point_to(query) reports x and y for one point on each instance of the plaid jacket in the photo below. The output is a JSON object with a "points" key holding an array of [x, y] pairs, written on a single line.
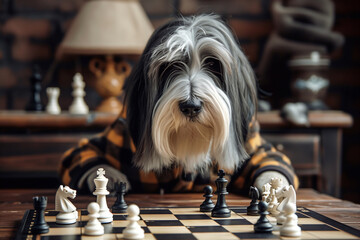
{"points": [[115, 147]]}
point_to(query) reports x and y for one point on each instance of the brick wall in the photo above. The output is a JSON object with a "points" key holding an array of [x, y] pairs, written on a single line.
{"points": [[30, 32]]}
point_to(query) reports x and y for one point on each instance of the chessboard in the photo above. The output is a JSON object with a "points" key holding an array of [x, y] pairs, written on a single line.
{"points": [[190, 223]]}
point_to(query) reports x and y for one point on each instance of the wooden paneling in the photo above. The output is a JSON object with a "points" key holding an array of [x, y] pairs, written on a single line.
{"points": [[302, 149], [38, 152]]}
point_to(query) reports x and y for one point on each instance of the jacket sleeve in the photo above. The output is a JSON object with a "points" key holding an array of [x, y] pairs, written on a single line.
{"points": [[113, 147], [263, 157]]}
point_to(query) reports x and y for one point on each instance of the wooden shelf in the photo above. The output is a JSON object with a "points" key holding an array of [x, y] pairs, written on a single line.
{"points": [[319, 119], [23, 119]]}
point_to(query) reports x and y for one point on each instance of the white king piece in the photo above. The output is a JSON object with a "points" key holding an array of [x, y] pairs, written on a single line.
{"points": [[101, 192]]}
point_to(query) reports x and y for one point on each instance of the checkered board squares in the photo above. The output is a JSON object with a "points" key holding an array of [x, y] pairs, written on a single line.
{"points": [[190, 223]]}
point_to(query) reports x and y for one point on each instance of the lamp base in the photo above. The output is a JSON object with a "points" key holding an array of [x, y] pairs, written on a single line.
{"points": [[111, 105], [109, 82]]}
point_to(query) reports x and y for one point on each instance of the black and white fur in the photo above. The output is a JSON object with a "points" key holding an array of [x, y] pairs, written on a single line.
{"points": [[191, 97]]}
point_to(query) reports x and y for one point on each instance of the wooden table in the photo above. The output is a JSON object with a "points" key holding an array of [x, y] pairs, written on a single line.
{"points": [[14, 202]]}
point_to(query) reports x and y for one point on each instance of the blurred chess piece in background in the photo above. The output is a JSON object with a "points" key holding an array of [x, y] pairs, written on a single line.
{"points": [[78, 105], [53, 106], [35, 103]]}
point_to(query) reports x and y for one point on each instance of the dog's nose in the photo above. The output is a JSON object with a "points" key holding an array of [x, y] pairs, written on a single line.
{"points": [[191, 108]]}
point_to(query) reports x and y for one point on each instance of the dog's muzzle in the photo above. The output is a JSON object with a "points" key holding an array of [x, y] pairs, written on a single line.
{"points": [[191, 108]]}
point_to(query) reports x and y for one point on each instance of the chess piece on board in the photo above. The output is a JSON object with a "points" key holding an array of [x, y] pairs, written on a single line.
{"points": [[289, 196], [278, 185], [263, 225], [120, 205], [133, 229], [78, 105], [40, 226], [101, 193], [221, 209], [53, 106], [208, 204], [273, 203], [266, 192], [67, 211], [253, 209], [35, 103], [93, 226], [290, 227]]}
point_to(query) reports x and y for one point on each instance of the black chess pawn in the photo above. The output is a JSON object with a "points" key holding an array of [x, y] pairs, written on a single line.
{"points": [[40, 226], [208, 204], [35, 103], [253, 209], [263, 225], [221, 210], [120, 205]]}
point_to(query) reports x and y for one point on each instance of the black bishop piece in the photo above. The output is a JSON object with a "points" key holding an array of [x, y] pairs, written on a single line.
{"points": [[40, 226], [253, 209], [120, 205], [221, 210]]}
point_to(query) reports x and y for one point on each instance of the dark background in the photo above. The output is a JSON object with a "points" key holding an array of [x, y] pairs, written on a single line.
{"points": [[30, 32]]}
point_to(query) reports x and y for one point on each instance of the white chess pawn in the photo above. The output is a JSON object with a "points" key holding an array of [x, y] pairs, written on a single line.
{"points": [[94, 227], [78, 105], [133, 229], [53, 106], [290, 227]]}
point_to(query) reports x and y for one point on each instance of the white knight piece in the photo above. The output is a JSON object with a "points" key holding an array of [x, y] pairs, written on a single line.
{"points": [[67, 211], [287, 208]]}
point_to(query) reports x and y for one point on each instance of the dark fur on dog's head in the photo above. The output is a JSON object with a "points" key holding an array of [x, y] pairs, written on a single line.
{"points": [[194, 60]]}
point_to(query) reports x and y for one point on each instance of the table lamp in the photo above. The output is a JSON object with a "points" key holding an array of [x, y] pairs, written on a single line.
{"points": [[108, 27]]}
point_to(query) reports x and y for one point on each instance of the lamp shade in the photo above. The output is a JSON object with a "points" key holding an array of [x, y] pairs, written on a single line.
{"points": [[107, 27]]}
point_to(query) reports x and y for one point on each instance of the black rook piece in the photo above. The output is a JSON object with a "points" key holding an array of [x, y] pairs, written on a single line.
{"points": [[40, 226], [253, 209], [207, 205], [34, 103], [221, 210], [120, 205], [263, 225]]}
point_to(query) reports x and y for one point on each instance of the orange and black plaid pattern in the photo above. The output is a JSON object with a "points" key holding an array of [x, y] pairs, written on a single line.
{"points": [[115, 147]]}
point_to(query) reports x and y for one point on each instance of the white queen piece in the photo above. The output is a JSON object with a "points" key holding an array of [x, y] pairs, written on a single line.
{"points": [[101, 192]]}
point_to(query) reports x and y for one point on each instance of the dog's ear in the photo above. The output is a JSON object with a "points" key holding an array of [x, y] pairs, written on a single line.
{"points": [[247, 101], [241, 88], [135, 100], [141, 91]]}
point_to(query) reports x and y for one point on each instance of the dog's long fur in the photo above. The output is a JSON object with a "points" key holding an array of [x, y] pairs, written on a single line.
{"points": [[190, 58]]}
